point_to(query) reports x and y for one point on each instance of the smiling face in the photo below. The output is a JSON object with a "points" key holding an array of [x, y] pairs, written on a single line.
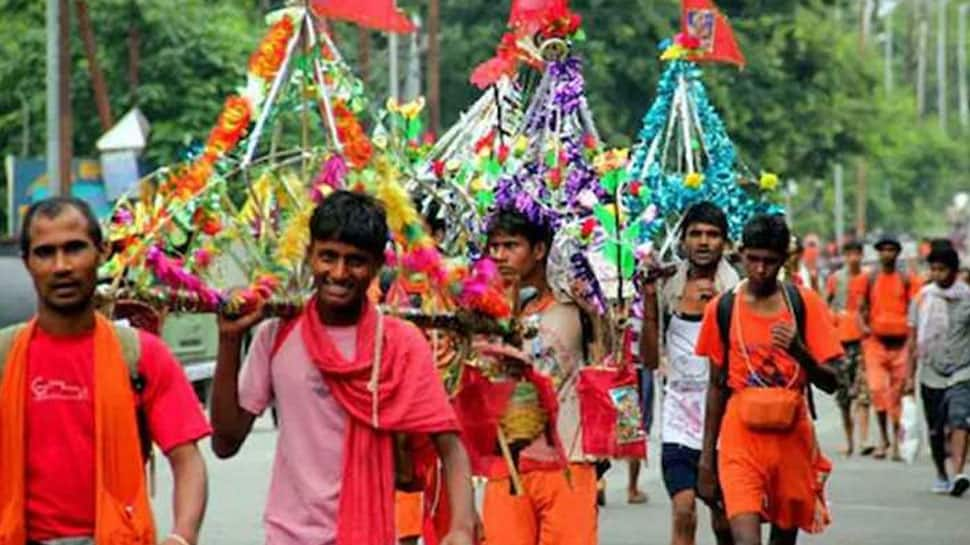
{"points": [[704, 244], [63, 262], [342, 273]]}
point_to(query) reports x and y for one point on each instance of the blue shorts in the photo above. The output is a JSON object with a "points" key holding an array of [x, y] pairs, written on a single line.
{"points": [[679, 466], [646, 398]]}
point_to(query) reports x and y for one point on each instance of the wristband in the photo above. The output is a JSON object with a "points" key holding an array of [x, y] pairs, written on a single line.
{"points": [[175, 537]]}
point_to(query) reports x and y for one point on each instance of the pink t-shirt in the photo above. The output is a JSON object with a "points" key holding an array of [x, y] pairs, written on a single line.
{"points": [[308, 468]]}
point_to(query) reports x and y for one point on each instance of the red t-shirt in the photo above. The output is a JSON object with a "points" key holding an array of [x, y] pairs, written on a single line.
{"points": [[60, 426], [768, 366]]}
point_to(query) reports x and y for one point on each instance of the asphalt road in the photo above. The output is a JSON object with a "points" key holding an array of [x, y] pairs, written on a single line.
{"points": [[879, 503]]}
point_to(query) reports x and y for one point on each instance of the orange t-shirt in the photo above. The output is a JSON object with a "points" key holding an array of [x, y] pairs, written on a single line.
{"points": [[847, 319], [889, 303], [768, 366]]}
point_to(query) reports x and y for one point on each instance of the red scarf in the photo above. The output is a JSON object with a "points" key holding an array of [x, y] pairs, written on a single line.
{"points": [[409, 399]]}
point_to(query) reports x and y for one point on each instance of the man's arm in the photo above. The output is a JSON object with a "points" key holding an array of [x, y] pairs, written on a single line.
{"points": [[823, 377], [650, 332], [231, 423], [190, 493], [911, 361], [458, 479], [717, 396]]}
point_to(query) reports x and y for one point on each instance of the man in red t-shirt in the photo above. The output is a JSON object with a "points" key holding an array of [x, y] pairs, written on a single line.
{"points": [[885, 312], [61, 361]]}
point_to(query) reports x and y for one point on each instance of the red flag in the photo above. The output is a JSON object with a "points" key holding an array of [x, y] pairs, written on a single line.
{"points": [[702, 20], [530, 14], [380, 15]]}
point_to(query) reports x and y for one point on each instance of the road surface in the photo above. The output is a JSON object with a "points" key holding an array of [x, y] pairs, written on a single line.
{"points": [[879, 503]]}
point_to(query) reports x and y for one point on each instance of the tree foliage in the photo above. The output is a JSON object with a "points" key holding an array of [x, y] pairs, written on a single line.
{"points": [[809, 98]]}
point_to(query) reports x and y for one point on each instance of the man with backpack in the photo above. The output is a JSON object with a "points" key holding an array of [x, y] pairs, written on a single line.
{"points": [[940, 355], [766, 341], [558, 506], [845, 291], [81, 399], [673, 309], [348, 382], [888, 295]]}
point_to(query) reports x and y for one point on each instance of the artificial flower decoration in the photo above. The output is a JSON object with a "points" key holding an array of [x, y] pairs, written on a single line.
{"points": [[610, 160], [769, 181], [268, 57], [694, 180]]}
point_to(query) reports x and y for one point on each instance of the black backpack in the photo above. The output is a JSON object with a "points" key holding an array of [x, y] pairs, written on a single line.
{"points": [[725, 309]]}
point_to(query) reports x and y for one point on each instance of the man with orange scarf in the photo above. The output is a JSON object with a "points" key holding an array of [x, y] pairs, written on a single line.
{"points": [[74, 414], [345, 380]]}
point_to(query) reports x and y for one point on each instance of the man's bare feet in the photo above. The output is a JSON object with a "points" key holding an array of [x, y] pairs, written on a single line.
{"points": [[867, 450], [636, 497], [846, 451]]}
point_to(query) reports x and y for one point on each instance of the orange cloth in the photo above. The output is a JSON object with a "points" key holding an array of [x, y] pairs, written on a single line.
{"points": [[554, 510], [409, 514], [773, 473], [123, 511], [773, 366], [886, 373], [889, 303], [847, 319]]}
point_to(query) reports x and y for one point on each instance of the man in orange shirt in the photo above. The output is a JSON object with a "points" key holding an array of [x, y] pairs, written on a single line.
{"points": [[766, 341], [885, 321], [844, 298]]}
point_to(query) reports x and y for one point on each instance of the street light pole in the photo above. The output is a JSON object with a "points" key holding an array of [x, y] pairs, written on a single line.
{"points": [[59, 137], [962, 66], [941, 63]]}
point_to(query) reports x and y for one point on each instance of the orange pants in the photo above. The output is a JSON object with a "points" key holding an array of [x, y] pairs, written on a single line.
{"points": [[768, 473], [886, 372], [409, 514], [554, 510]]}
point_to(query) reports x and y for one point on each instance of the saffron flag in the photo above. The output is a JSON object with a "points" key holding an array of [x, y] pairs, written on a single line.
{"points": [[380, 15], [700, 19]]}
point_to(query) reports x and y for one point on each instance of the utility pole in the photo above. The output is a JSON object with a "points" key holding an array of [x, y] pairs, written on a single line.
{"points": [[861, 197], [134, 50], [363, 53], [924, 32], [962, 67], [839, 205], [412, 80], [434, 65], [888, 50], [98, 85], [59, 133], [941, 63], [394, 79]]}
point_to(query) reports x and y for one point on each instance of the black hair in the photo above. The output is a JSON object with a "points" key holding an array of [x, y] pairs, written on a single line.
{"points": [[52, 207], [352, 218], [767, 232], [432, 216], [852, 246], [941, 244], [514, 223], [708, 213], [945, 256]]}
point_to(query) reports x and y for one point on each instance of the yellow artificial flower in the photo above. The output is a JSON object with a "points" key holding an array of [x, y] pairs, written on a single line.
{"points": [[521, 144], [412, 109], [294, 239], [611, 160], [769, 181], [674, 52], [694, 180], [392, 105]]}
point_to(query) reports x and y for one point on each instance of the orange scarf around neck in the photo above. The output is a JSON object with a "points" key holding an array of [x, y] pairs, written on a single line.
{"points": [[122, 509]]}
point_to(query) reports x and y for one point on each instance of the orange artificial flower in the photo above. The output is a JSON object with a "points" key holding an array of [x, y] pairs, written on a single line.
{"points": [[268, 57], [229, 129]]}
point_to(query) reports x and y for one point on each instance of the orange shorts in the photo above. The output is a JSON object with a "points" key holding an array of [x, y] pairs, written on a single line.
{"points": [[553, 510], [772, 474], [409, 514], [886, 372]]}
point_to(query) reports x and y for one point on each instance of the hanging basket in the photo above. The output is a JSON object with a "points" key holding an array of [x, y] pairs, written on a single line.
{"points": [[524, 419]]}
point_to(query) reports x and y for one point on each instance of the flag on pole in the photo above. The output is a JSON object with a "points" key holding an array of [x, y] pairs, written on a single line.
{"points": [[702, 21], [529, 15], [382, 15]]}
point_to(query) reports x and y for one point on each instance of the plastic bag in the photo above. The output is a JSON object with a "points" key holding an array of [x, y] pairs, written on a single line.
{"points": [[910, 434]]}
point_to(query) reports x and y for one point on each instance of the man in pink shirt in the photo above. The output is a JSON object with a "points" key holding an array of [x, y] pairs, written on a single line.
{"points": [[345, 379]]}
